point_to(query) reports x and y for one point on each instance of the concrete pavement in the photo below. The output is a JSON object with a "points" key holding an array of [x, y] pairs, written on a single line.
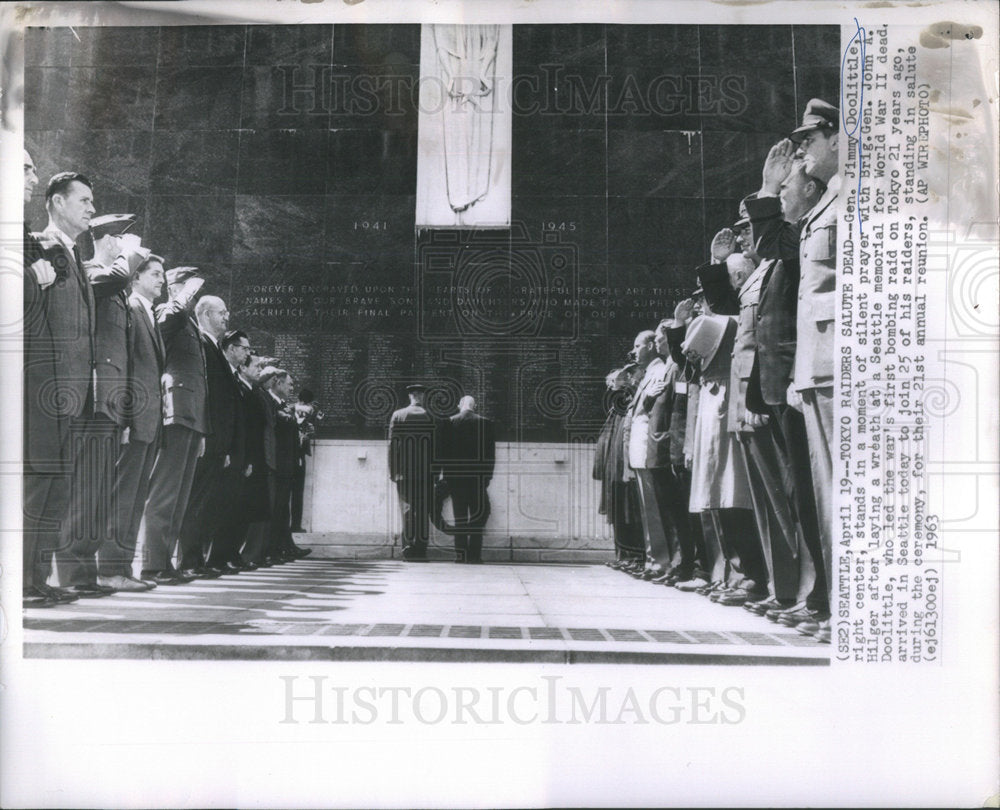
{"points": [[328, 609]]}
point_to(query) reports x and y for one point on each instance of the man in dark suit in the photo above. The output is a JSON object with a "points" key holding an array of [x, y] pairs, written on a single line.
{"points": [[468, 450], [134, 467], [231, 523], [201, 519], [45, 428], [185, 424], [411, 459], [255, 503], [280, 448], [71, 313], [112, 258]]}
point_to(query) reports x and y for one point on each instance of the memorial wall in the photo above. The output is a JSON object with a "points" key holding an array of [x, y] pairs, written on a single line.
{"points": [[282, 161]]}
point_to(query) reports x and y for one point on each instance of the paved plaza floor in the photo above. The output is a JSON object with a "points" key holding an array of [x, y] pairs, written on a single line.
{"points": [[366, 610]]}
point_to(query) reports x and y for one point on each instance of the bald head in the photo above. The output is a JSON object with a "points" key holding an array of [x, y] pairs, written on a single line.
{"points": [[467, 403], [212, 315]]}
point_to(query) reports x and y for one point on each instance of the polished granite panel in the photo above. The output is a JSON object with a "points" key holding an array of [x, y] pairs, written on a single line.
{"points": [[574, 96], [559, 44], [816, 81], [376, 44], [194, 230], [278, 229], [105, 45], [752, 45], [289, 44], [677, 223], [674, 48], [110, 98], [112, 159], [381, 97], [194, 162], [817, 45], [734, 161], [750, 99], [557, 162], [198, 98], [654, 164], [367, 161], [373, 229], [285, 96], [593, 302], [199, 46], [655, 97], [282, 162], [577, 223]]}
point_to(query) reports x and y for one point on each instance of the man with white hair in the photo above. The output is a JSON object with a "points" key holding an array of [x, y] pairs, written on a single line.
{"points": [[223, 444], [469, 458]]}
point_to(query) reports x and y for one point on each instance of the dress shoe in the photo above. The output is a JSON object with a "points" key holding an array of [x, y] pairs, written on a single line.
{"points": [[793, 618], [690, 585], [122, 583], [734, 598], [34, 598], [414, 554], [807, 628], [247, 566], [267, 562], [822, 635], [227, 569], [91, 591], [664, 579], [772, 615], [761, 606], [205, 572], [61, 595], [159, 577], [652, 573], [298, 552]]}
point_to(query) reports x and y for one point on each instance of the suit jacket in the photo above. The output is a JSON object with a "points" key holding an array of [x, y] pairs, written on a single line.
{"points": [[147, 354], [45, 430], [468, 446], [412, 433], [184, 385], [226, 435], [69, 310], [816, 249], [664, 446], [636, 434], [255, 410], [719, 293], [776, 311], [112, 327], [281, 438]]}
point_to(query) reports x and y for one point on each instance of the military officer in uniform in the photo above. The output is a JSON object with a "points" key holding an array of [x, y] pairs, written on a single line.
{"points": [[411, 461], [814, 240]]}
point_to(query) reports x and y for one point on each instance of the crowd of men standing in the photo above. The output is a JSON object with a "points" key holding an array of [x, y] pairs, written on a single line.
{"points": [[148, 424], [715, 459]]}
